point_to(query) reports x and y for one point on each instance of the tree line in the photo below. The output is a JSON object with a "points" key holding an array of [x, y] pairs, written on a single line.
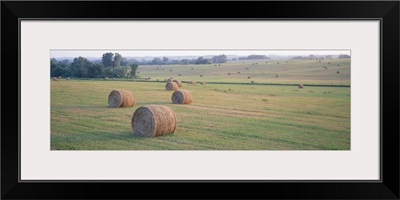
{"points": [[110, 66]]}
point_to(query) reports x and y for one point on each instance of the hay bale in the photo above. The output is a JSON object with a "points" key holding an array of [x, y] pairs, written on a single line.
{"points": [[158, 80], [60, 77], [277, 62], [120, 98], [229, 73], [193, 82], [181, 97], [148, 78], [138, 72], [179, 74], [338, 65], [170, 70], [329, 63], [169, 80], [178, 82], [106, 78], [337, 72], [201, 75], [153, 121], [252, 82], [277, 76], [192, 68], [171, 86], [163, 69], [113, 78], [55, 79], [238, 72], [301, 86], [249, 77], [68, 78], [203, 83], [247, 68]]}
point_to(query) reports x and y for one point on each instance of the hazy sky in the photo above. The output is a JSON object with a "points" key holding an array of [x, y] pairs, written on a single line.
{"points": [[160, 53]]}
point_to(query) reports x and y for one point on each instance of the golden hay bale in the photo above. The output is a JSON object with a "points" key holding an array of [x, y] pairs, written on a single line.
{"points": [[153, 121], [171, 86], [178, 82], [55, 79], [181, 97], [301, 86], [203, 83], [120, 98]]}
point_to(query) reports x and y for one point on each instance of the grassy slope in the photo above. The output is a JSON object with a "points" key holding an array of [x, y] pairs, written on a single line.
{"points": [[294, 72], [222, 116]]}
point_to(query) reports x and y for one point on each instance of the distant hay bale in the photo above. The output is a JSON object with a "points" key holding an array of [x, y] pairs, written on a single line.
{"points": [[138, 72], [252, 82], [106, 78], [145, 79], [301, 86], [181, 97], [286, 62], [60, 77], [338, 65], [68, 78], [179, 74], [249, 77], [162, 69], [337, 72], [329, 63], [277, 76], [171, 86], [153, 121], [256, 63], [169, 80], [215, 65], [170, 70], [238, 72], [178, 82], [203, 83], [193, 82], [55, 79], [277, 62], [148, 78], [158, 80], [192, 68], [120, 98], [229, 73], [113, 78], [201, 75], [247, 68]]}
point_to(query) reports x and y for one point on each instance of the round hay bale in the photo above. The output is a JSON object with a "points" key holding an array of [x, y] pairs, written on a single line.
{"points": [[247, 68], [163, 69], [169, 80], [55, 79], [277, 76], [337, 72], [252, 82], [170, 70], [120, 98], [192, 68], [68, 78], [106, 78], [248, 77], [179, 74], [301, 86], [178, 82], [60, 77], [153, 121], [181, 97], [201, 75], [238, 72], [193, 82], [171, 86], [203, 83], [229, 73], [158, 80]]}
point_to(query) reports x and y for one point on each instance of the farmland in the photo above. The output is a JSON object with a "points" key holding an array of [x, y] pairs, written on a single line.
{"points": [[228, 113]]}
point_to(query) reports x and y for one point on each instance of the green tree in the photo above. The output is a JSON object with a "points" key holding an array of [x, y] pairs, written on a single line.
{"points": [[202, 60], [157, 61], [133, 69], [107, 59], [79, 67], [117, 60], [219, 59]]}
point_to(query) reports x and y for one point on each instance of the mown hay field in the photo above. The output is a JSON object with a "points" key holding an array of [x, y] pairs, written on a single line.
{"points": [[221, 117]]}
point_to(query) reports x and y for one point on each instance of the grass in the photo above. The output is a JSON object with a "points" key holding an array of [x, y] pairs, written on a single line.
{"points": [[221, 117]]}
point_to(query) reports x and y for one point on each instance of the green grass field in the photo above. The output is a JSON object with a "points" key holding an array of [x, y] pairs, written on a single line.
{"points": [[221, 117]]}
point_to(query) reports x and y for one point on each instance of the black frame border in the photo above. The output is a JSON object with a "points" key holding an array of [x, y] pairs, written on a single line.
{"points": [[387, 12]]}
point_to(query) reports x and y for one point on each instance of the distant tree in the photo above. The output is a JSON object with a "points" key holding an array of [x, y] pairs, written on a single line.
{"points": [[344, 56], [95, 70], [117, 60], [202, 60], [79, 67], [157, 61], [133, 69], [107, 59], [219, 59], [256, 57], [165, 60]]}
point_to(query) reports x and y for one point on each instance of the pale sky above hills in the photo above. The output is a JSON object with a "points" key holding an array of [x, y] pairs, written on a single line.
{"points": [[161, 53]]}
